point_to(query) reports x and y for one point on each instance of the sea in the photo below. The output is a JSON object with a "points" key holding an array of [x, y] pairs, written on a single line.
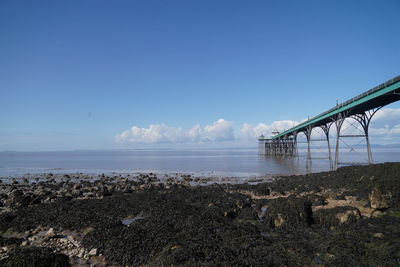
{"points": [[238, 162]]}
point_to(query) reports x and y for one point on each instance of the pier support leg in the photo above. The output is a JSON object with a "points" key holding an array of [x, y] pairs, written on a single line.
{"points": [[364, 119], [308, 136], [338, 122], [326, 129], [262, 147], [295, 150]]}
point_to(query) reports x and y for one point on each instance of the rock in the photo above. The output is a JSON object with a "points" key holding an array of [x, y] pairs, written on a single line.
{"points": [[377, 199], [289, 211], [50, 233], [76, 193], [337, 216], [76, 186], [378, 235], [231, 214], [279, 220], [24, 243], [93, 252], [239, 204], [376, 214], [262, 190], [35, 256], [344, 217], [81, 253]]}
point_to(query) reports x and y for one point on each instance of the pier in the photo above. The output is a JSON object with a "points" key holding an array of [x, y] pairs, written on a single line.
{"points": [[360, 109]]}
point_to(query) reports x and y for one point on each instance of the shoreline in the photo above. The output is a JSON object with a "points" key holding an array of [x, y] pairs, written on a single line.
{"points": [[200, 178], [350, 216]]}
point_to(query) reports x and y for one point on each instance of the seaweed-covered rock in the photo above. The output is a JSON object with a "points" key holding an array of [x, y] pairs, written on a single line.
{"points": [[289, 212], [10, 241], [336, 216], [218, 224], [35, 257], [378, 200]]}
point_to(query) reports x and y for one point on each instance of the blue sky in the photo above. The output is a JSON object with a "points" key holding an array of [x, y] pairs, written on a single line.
{"points": [[80, 74]]}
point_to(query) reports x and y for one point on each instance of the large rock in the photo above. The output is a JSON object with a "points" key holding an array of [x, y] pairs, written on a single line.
{"points": [[35, 257], [290, 211], [348, 215], [378, 200], [336, 216]]}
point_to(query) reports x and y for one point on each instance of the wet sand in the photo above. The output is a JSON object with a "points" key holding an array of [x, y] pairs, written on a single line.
{"points": [[347, 217]]}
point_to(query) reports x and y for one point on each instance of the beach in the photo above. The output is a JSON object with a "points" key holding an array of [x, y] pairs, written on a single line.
{"points": [[346, 217]]}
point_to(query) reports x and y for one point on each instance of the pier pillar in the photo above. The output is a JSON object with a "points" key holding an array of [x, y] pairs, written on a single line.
{"points": [[339, 123], [262, 149], [308, 136], [295, 150], [326, 129], [364, 119]]}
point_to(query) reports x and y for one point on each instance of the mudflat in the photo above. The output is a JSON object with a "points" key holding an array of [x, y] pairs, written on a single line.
{"points": [[346, 217]]}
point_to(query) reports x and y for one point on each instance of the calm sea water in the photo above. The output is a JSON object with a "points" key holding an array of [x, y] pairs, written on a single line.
{"points": [[223, 162]]}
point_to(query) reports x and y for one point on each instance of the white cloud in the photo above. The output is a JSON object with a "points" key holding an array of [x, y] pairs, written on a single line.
{"points": [[251, 132], [387, 115], [194, 133], [386, 124], [155, 133], [385, 127], [220, 130]]}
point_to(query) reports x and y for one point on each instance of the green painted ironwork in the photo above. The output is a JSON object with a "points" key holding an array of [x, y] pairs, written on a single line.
{"points": [[378, 91]]}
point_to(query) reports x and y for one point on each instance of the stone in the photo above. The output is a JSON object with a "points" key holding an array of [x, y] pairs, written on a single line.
{"points": [[76, 186], [230, 213], [81, 253], [376, 213], [76, 193], [377, 199], [240, 204], [50, 232], [344, 217], [93, 252], [378, 235], [279, 221]]}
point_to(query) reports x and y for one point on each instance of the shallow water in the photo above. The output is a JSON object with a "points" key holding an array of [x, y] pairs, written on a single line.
{"points": [[209, 163]]}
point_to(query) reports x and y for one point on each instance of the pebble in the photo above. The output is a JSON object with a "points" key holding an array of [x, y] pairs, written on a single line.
{"points": [[378, 235], [93, 252], [50, 232]]}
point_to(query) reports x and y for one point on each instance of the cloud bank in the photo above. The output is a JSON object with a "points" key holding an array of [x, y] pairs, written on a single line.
{"points": [[385, 126], [220, 130]]}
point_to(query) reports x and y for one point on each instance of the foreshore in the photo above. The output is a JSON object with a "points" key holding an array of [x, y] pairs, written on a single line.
{"points": [[347, 217]]}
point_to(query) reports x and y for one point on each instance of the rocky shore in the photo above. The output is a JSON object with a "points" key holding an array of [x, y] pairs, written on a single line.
{"points": [[348, 217]]}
